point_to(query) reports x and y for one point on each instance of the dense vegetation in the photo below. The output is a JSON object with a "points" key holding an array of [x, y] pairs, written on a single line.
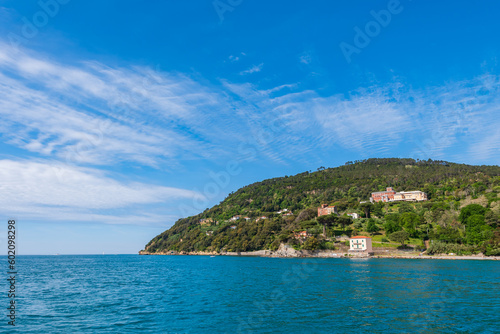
{"points": [[462, 214]]}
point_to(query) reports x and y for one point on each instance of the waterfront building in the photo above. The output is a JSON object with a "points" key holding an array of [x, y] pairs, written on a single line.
{"points": [[360, 244]]}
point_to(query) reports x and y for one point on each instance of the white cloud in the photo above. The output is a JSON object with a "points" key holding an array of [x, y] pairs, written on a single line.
{"points": [[305, 58], [303, 122], [96, 114], [365, 123], [56, 191], [460, 118], [434, 122], [236, 58], [253, 69]]}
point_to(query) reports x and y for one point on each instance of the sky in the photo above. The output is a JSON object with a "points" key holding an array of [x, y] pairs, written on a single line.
{"points": [[117, 118]]}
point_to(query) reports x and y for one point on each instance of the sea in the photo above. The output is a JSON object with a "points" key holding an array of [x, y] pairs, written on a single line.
{"points": [[225, 294]]}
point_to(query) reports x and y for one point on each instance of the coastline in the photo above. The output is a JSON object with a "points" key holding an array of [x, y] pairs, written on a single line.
{"points": [[285, 252]]}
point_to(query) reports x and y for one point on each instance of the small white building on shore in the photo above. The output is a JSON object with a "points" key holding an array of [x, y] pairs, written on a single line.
{"points": [[360, 244]]}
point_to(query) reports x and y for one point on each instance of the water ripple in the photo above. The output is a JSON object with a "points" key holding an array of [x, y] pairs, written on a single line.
{"points": [[181, 294]]}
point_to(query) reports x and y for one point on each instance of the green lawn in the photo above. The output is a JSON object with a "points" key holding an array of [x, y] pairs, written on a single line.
{"points": [[379, 237], [385, 244]]}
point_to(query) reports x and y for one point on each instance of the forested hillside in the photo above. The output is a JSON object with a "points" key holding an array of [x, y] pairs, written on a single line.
{"points": [[462, 214]]}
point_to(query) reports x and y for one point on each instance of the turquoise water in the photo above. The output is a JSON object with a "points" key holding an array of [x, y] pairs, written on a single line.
{"points": [[201, 294]]}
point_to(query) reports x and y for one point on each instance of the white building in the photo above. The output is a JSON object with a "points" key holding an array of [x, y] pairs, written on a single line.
{"points": [[360, 244], [410, 196], [354, 215]]}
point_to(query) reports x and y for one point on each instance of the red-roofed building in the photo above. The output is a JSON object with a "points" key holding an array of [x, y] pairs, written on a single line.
{"points": [[360, 244], [389, 195], [326, 210], [301, 235], [384, 196]]}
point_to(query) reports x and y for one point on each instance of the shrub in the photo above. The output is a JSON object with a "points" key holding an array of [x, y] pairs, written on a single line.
{"points": [[490, 251], [306, 214], [328, 245], [439, 247], [384, 239], [311, 244], [400, 237], [371, 227]]}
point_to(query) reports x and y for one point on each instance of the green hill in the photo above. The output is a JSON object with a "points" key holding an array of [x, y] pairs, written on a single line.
{"points": [[462, 214]]}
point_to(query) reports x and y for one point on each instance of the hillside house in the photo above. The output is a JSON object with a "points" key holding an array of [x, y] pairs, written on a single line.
{"points": [[326, 210], [206, 221], [235, 218], [233, 227], [260, 218], [410, 196], [384, 196], [354, 215], [360, 244], [389, 195], [301, 235], [247, 218]]}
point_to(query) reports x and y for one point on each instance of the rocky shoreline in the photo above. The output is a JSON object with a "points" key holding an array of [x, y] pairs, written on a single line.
{"points": [[286, 251]]}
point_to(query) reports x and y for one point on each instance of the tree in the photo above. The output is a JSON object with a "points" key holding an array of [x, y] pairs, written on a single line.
{"points": [[476, 229], [470, 210], [392, 223], [326, 221], [409, 221], [371, 227], [447, 234], [366, 207], [311, 244], [405, 207], [306, 214], [428, 221], [353, 192], [400, 237], [492, 219], [391, 227], [344, 221], [378, 209]]}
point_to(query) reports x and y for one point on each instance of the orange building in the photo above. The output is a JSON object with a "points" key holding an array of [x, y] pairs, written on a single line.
{"points": [[390, 196], [326, 210], [301, 235], [384, 196]]}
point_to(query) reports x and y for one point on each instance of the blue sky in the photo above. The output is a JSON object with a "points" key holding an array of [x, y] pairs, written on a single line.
{"points": [[117, 118]]}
